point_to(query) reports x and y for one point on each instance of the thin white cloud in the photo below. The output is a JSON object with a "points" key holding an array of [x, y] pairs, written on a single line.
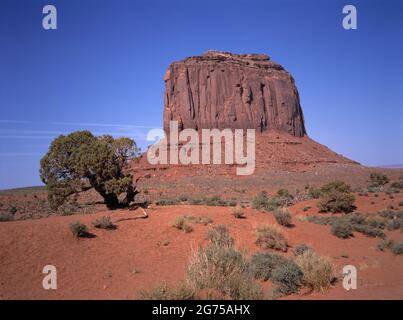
{"points": [[14, 121], [92, 124]]}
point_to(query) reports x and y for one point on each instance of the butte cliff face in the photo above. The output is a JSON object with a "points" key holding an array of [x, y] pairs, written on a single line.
{"points": [[225, 90]]}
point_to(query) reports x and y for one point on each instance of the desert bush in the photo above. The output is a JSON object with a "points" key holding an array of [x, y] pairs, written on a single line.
{"points": [[79, 229], [287, 277], [215, 201], [261, 201], [262, 265], [314, 193], [401, 203], [12, 210], [342, 229], [394, 224], [397, 248], [167, 202], [300, 249], [6, 217], [336, 197], [80, 161], [317, 270], [306, 208], [221, 267], [369, 231], [220, 235], [269, 237], [238, 213], [384, 244], [104, 223], [69, 207], [283, 217], [283, 198], [165, 292], [180, 224], [199, 219], [378, 179], [388, 214]]}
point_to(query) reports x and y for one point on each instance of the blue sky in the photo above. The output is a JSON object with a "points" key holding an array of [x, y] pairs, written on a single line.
{"points": [[103, 68]]}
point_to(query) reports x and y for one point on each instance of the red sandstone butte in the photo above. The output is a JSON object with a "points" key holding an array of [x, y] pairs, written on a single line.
{"points": [[226, 90]]}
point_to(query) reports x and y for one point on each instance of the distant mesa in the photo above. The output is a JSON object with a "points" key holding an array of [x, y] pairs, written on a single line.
{"points": [[226, 90]]}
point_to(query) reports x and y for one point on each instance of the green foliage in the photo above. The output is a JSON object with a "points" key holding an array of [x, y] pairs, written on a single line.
{"points": [[80, 160], [397, 185], [378, 179], [365, 224], [269, 237], [313, 193], [369, 231], [301, 248], [287, 277], [6, 217], [336, 197], [261, 201], [262, 265], [12, 210], [283, 217], [397, 248], [384, 244], [342, 229]]}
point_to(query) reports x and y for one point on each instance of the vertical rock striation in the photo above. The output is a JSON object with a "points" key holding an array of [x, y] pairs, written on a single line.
{"points": [[225, 90]]}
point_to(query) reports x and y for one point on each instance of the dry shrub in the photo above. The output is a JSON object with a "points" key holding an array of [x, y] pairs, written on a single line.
{"points": [[283, 217], [165, 292], [237, 213], [317, 270], [270, 237], [180, 223], [221, 267], [104, 223], [79, 230]]}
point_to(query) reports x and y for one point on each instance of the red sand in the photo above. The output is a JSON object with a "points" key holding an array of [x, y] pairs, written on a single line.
{"points": [[117, 264]]}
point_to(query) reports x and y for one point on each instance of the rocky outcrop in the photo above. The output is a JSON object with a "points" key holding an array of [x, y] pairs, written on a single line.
{"points": [[225, 90]]}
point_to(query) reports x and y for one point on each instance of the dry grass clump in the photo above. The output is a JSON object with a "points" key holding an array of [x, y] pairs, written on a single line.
{"points": [[317, 270], [270, 237], [165, 292], [181, 224], [104, 223], [198, 219], [238, 213], [79, 230], [283, 217], [219, 266]]}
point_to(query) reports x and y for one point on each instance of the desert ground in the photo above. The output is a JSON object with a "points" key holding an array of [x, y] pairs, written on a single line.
{"points": [[143, 253]]}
